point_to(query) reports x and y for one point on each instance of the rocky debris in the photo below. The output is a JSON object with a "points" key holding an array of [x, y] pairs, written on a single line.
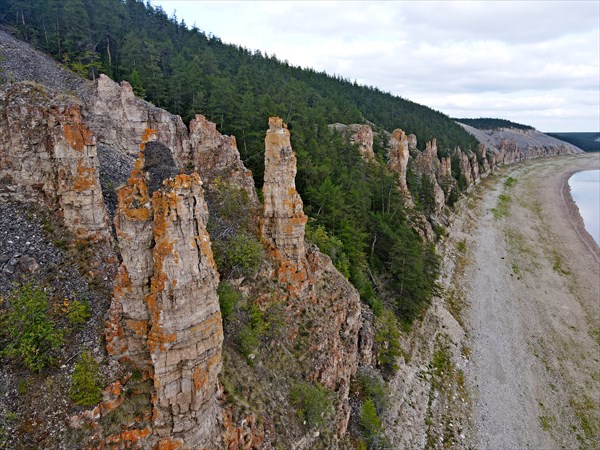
{"points": [[20, 62], [216, 157], [165, 312], [115, 168], [48, 155], [398, 155], [516, 142], [358, 134], [284, 220]]}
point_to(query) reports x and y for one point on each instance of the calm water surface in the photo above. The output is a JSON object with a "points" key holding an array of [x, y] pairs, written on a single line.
{"points": [[585, 189]]}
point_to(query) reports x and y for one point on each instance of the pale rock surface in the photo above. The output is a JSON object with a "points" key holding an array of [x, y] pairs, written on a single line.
{"points": [[165, 314], [48, 155], [119, 118], [217, 158], [398, 155], [517, 142]]}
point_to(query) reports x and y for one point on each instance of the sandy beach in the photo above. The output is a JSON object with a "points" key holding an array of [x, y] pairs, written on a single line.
{"points": [[532, 291]]}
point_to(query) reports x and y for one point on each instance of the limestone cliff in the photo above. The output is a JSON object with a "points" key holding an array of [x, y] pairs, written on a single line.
{"points": [[360, 135], [119, 118], [48, 155], [513, 144], [319, 296], [398, 155], [165, 314], [283, 217], [216, 157], [427, 166]]}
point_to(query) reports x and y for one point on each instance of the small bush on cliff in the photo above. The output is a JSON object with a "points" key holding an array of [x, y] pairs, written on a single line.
{"points": [[228, 298], [31, 334], [330, 246], [312, 402], [79, 313], [387, 337], [369, 419], [85, 387]]}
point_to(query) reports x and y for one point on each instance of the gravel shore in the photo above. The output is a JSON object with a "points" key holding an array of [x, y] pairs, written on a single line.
{"points": [[533, 320]]}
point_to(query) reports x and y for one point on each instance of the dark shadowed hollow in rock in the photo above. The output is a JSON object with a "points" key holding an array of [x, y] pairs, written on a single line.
{"points": [[159, 164]]}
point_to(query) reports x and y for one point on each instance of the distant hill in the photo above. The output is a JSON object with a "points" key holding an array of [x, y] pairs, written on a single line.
{"points": [[589, 142], [487, 123]]}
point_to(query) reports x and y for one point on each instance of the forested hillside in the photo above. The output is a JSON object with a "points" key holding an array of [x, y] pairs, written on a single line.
{"points": [[493, 124], [589, 142]]}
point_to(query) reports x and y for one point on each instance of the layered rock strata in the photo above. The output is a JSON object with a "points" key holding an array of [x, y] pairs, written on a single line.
{"points": [[165, 313], [318, 295], [398, 155], [48, 155], [119, 118], [426, 164], [217, 158], [284, 220]]}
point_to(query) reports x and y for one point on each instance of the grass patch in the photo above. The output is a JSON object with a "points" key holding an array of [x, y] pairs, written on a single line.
{"points": [[461, 246], [557, 264], [312, 402], [502, 207], [509, 182]]}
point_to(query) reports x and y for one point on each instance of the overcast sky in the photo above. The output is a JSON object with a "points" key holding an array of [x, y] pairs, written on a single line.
{"points": [[535, 62]]}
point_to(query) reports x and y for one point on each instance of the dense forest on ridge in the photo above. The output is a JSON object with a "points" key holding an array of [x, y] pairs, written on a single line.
{"points": [[487, 123], [357, 214]]}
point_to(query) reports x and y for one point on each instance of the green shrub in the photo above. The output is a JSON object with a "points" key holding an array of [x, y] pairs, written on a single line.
{"points": [[240, 255], [32, 336], [85, 387], [374, 388], [330, 246], [312, 402], [387, 337], [250, 335], [79, 313], [228, 298], [370, 422], [245, 253]]}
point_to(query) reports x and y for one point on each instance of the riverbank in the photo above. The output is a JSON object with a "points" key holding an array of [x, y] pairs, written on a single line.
{"points": [[532, 290]]}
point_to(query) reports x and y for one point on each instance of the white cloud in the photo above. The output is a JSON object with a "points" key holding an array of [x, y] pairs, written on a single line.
{"points": [[532, 62]]}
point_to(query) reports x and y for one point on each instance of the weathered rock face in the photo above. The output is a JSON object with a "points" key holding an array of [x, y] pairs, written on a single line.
{"points": [[186, 334], [119, 118], [520, 144], [216, 157], [48, 155], [128, 324], [398, 155], [283, 217], [508, 152], [359, 134], [318, 295], [165, 312], [427, 164], [474, 168], [464, 165]]}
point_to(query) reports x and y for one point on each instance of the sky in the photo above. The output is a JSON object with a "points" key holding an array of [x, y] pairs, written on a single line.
{"points": [[532, 62]]}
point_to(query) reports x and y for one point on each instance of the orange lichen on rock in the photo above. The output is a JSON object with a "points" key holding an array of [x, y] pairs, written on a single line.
{"points": [[283, 223]]}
